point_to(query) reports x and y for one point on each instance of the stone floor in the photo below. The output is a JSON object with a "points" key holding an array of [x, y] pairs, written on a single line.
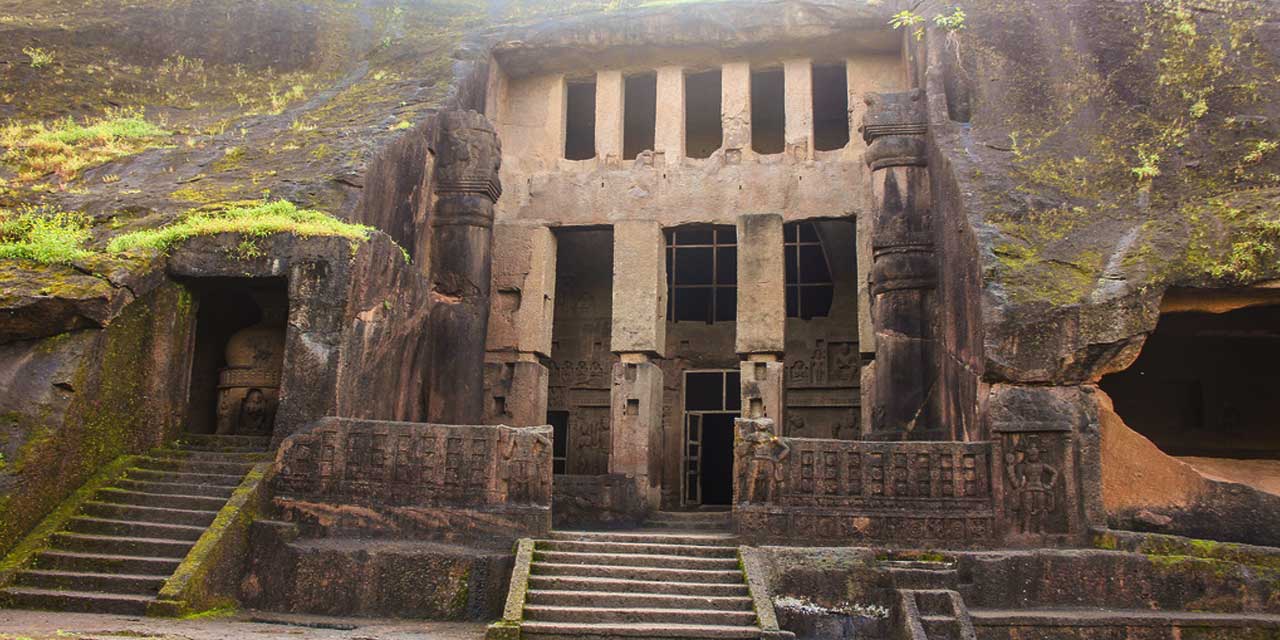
{"points": [[47, 625]]}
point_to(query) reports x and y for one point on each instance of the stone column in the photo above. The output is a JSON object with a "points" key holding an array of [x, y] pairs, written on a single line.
{"points": [[904, 269], [735, 110], [798, 84], [670, 134], [466, 187], [520, 318], [762, 315], [609, 104], [639, 333]]}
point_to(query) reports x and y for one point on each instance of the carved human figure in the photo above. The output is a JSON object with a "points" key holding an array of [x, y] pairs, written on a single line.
{"points": [[762, 452], [257, 413], [525, 468], [1033, 482]]}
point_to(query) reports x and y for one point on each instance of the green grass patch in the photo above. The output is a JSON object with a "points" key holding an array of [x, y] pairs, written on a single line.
{"points": [[253, 221], [47, 237], [66, 147]]}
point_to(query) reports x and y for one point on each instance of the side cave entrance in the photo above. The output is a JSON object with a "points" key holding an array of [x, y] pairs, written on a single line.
{"points": [[1205, 388], [239, 355], [712, 399]]}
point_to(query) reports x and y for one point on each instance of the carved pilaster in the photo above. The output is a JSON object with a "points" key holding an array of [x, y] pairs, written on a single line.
{"points": [[904, 269], [466, 188]]}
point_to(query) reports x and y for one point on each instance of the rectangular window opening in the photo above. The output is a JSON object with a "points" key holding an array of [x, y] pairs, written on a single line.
{"points": [[704, 131], [830, 107], [559, 421], [639, 114], [702, 274], [768, 111], [580, 121]]}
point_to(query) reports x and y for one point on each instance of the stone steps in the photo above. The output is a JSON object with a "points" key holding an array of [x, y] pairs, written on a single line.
{"points": [[116, 554], [690, 520], [637, 584]]}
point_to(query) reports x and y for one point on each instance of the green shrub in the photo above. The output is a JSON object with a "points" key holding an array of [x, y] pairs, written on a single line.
{"points": [[66, 147], [47, 237], [256, 221]]}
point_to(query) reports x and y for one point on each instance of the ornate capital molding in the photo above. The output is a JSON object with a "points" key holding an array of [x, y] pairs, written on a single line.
{"points": [[894, 128]]}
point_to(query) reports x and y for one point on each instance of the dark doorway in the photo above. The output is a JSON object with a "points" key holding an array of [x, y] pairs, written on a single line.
{"points": [[238, 357], [1206, 385], [830, 107], [640, 114], [768, 111], [704, 130], [712, 400], [580, 120], [559, 421]]}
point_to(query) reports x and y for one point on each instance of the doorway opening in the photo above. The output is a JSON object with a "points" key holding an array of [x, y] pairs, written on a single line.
{"points": [[768, 111], [639, 114], [704, 130], [712, 400], [580, 120], [239, 355]]}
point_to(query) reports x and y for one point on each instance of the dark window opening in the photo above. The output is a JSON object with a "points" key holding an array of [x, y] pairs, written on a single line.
{"points": [[640, 114], [830, 107], [238, 355], [580, 121], [702, 274], [1206, 385], [768, 111], [809, 286], [712, 400], [704, 132], [559, 421]]}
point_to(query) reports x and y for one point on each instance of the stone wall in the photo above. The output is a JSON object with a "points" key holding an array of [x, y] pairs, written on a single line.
{"points": [[484, 485]]}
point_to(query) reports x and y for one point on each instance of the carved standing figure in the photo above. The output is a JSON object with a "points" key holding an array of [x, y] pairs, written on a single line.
{"points": [[524, 468], [763, 453], [1033, 482]]}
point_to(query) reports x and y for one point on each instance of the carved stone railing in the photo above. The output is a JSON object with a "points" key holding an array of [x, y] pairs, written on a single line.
{"points": [[412, 480], [797, 489]]}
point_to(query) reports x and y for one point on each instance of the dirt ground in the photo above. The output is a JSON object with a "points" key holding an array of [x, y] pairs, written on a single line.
{"points": [[47, 625]]}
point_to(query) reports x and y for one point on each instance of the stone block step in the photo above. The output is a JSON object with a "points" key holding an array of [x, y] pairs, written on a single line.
{"points": [[133, 529], [166, 500], [598, 631], [177, 488], [548, 613], [636, 560], [637, 599], [934, 602], [209, 439], [692, 516], [122, 546], [655, 537], [194, 466], [84, 581], [637, 573], [156, 475], [705, 589], [577, 546], [940, 627], [212, 455], [138, 513], [917, 578], [74, 601], [105, 563]]}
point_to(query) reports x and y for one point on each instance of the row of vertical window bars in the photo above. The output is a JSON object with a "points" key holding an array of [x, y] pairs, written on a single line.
{"points": [[702, 273], [704, 129]]}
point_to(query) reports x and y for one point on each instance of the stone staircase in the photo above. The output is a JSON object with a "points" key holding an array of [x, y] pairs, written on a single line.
{"points": [[676, 584], [116, 554], [702, 520], [930, 606]]}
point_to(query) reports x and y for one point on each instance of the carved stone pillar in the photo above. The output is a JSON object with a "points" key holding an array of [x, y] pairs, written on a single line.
{"points": [[635, 401], [466, 187], [760, 337], [904, 269]]}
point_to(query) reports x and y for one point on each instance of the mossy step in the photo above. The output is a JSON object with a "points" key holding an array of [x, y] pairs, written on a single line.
{"points": [[214, 440], [194, 466], [133, 528], [547, 613], [122, 545], [177, 488], [123, 583], [637, 599], [134, 512], [533, 630], [75, 601], [154, 475], [580, 546], [105, 563], [700, 538], [637, 573], [201, 455], [167, 500], [571, 583], [636, 560]]}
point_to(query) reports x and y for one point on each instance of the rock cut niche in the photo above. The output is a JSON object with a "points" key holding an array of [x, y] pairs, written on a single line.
{"points": [[238, 357], [580, 120], [768, 111], [1206, 389], [704, 130]]}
